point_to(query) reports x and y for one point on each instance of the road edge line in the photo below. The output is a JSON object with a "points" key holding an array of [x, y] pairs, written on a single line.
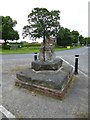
{"points": [[7, 113], [74, 67]]}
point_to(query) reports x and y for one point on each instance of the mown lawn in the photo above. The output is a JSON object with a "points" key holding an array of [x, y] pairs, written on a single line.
{"points": [[25, 50], [20, 50]]}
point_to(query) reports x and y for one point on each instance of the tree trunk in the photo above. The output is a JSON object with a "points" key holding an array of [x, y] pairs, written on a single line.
{"points": [[5, 43]]}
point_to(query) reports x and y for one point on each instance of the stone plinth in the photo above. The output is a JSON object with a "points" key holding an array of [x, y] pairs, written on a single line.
{"points": [[53, 83], [47, 65]]}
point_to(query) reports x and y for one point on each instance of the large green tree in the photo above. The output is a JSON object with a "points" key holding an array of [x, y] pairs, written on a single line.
{"points": [[75, 35], [7, 29], [87, 40], [82, 40], [42, 23], [60, 37], [64, 37]]}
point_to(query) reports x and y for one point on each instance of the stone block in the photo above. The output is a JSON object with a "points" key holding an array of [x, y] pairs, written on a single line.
{"points": [[51, 79], [47, 65], [52, 83]]}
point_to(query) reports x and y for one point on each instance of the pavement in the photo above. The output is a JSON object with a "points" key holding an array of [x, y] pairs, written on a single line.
{"points": [[25, 104]]}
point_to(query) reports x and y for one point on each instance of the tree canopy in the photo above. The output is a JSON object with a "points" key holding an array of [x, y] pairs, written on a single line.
{"points": [[6, 29], [42, 23], [66, 37]]}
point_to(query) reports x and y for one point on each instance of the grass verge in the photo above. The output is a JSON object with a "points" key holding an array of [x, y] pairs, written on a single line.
{"points": [[25, 50]]}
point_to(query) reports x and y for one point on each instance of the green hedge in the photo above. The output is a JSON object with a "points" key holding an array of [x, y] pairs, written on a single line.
{"points": [[20, 45], [31, 44]]}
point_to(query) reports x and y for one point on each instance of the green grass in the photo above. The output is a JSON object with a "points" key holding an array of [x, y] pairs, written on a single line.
{"points": [[64, 48], [20, 50], [30, 50]]}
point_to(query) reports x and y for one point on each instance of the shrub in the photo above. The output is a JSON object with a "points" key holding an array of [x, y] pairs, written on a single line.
{"points": [[7, 46]]}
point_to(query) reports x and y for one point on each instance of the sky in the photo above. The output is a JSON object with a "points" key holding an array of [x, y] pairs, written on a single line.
{"points": [[73, 13]]}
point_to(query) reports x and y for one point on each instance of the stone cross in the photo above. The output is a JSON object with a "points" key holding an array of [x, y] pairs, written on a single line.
{"points": [[49, 50]]}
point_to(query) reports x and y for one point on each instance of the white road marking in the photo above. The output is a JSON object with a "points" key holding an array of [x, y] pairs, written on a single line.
{"points": [[73, 66], [66, 61], [6, 112]]}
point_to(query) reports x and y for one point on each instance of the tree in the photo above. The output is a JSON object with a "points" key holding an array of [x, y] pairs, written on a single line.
{"points": [[75, 35], [14, 35], [64, 37], [42, 23], [7, 31], [67, 36], [82, 40], [60, 37], [87, 39]]}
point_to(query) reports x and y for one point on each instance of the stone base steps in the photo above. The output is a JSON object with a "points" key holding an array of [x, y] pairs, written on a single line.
{"points": [[44, 90]]}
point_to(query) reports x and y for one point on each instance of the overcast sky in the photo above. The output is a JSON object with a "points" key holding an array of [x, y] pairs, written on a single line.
{"points": [[74, 13]]}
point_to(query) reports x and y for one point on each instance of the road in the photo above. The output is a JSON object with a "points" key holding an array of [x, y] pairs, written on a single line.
{"points": [[83, 57], [25, 104], [68, 55]]}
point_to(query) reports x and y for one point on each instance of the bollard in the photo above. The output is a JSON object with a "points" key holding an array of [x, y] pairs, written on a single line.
{"points": [[35, 56], [76, 64]]}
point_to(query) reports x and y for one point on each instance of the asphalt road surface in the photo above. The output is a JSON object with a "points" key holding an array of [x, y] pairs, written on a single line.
{"points": [[83, 57], [22, 103]]}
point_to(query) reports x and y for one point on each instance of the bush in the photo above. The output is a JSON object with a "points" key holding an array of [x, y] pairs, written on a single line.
{"points": [[7, 46]]}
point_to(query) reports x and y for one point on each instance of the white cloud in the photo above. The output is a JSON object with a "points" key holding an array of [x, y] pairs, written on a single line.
{"points": [[74, 13]]}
